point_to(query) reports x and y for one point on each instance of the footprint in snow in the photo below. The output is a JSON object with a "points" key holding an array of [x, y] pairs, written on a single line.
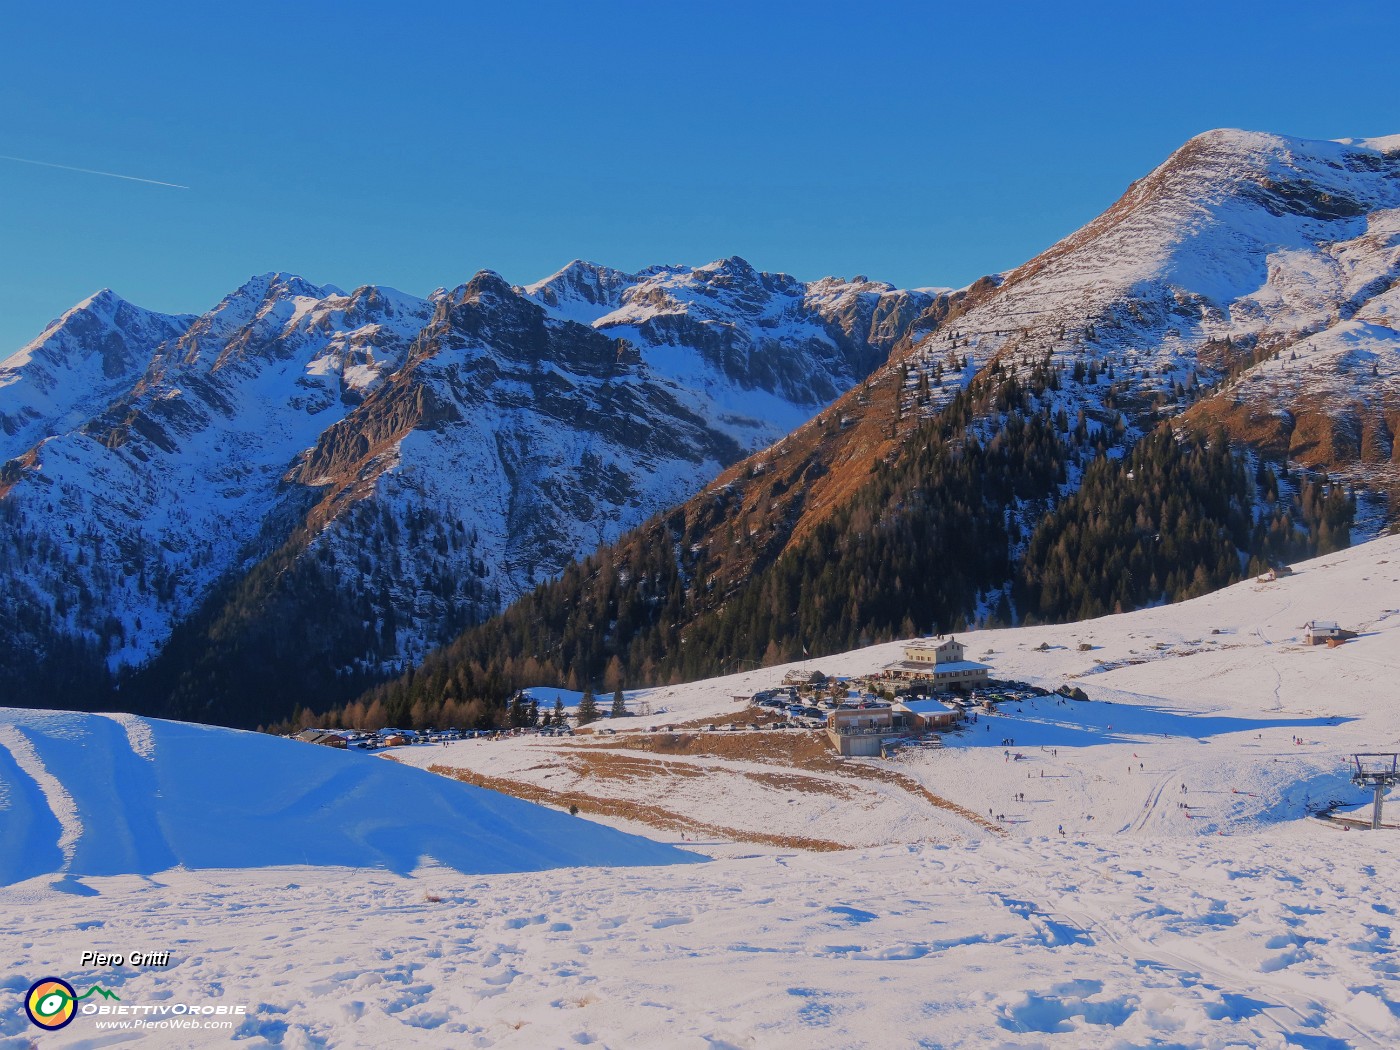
{"points": [[855, 915]]}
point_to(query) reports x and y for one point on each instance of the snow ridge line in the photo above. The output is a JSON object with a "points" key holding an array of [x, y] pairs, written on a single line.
{"points": [[138, 734], [61, 803]]}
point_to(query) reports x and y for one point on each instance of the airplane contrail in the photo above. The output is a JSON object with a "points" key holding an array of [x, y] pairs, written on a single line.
{"points": [[90, 171]]}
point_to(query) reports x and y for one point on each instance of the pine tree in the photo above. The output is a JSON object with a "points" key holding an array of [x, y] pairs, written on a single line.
{"points": [[517, 710], [558, 712], [619, 708], [587, 708]]}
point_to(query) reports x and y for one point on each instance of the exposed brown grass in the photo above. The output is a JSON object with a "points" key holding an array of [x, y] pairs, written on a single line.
{"points": [[809, 751], [653, 816], [595, 765], [803, 750], [783, 747]]}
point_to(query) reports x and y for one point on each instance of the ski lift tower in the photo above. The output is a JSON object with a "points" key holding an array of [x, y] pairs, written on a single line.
{"points": [[1378, 772]]}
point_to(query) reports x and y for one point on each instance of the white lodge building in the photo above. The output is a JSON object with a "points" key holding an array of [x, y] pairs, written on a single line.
{"points": [[939, 661]]}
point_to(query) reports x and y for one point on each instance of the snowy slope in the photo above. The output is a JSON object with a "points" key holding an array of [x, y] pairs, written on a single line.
{"points": [[1218, 693], [118, 795], [1252, 925], [1262, 942], [1241, 246]]}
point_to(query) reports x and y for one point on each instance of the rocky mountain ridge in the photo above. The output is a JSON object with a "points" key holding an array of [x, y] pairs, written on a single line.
{"points": [[442, 455]]}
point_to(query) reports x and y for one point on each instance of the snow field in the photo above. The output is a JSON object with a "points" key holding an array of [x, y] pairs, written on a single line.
{"points": [[1272, 940]]}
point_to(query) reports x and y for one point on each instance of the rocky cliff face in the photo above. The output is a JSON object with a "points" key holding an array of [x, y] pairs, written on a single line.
{"points": [[440, 455]]}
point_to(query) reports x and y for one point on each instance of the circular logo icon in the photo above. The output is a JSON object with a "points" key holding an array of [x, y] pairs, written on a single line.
{"points": [[50, 1003]]}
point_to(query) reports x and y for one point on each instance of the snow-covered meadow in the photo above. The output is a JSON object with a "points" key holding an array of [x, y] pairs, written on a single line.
{"points": [[1239, 921]]}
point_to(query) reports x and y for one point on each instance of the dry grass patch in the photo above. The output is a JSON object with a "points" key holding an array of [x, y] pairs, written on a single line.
{"points": [[632, 768], [782, 747], [652, 816], [811, 751]]}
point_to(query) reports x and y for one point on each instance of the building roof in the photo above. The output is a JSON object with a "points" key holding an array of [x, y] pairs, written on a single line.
{"points": [[933, 643], [320, 736], [928, 707], [1324, 625], [951, 665], [862, 712]]}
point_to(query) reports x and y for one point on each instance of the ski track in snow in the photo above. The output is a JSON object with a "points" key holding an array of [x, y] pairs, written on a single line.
{"points": [[60, 803], [138, 734]]}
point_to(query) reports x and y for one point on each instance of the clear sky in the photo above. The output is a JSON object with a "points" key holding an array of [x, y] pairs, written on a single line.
{"points": [[411, 144]]}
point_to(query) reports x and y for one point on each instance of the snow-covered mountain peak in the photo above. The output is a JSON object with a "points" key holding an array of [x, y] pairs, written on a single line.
{"points": [[1386, 144], [103, 301], [582, 291], [486, 286], [1197, 233], [279, 284], [1239, 247], [251, 314], [731, 269], [80, 361], [837, 286], [103, 307]]}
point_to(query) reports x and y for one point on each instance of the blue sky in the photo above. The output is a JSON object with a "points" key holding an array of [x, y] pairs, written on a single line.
{"points": [[414, 144]]}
